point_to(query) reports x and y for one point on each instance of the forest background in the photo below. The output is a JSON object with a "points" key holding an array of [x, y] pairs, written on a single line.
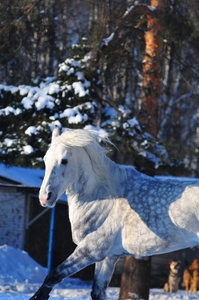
{"points": [[59, 62]]}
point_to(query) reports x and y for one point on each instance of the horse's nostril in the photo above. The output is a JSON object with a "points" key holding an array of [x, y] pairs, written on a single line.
{"points": [[49, 195]]}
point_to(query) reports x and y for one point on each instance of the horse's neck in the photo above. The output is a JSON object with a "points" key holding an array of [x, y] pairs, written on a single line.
{"points": [[83, 198], [88, 181]]}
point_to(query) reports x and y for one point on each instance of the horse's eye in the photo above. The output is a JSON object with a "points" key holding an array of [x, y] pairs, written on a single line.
{"points": [[64, 161]]}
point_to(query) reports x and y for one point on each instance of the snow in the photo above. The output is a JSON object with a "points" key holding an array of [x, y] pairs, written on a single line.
{"points": [[8, 88], [151, 157], [132, 123], [108, 39], [44, 101], [54, 88], [65, 65], [131, 8], [9, 142], [27, 102], [110, 112], [10, 110], [79, 89], [74, 116], [38, 95], [27, 149], [24, 176], [79, 75], [24, 90], [17, 265], [21, 276], [55, 123], [102, 133], [31, 130]]}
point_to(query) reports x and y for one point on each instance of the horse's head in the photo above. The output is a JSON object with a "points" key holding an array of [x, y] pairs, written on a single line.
{"points": [[60, 171]]}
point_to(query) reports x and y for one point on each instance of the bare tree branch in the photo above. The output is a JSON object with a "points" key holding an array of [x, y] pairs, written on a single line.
{"points": [[25, 13]]}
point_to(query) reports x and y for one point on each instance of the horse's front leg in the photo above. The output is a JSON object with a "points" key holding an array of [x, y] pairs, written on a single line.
{"points": [[79, 259], [55, 276], [103, 274]]}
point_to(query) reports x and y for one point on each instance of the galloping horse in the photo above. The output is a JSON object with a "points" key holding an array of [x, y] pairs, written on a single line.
{"points": [[114, 210]]}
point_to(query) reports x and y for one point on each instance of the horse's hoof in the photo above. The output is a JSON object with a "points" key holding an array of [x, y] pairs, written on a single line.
{"points": [[39, 295]]}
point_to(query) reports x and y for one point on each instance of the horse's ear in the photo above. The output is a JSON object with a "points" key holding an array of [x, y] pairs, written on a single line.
{"points": [[56, 133]]}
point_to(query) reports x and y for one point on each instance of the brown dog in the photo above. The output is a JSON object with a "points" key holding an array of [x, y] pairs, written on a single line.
{"points": [[195, 280], [187, 279], [172, 285]]}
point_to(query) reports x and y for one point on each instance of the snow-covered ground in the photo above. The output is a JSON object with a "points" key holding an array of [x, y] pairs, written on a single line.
{"points": [[21, 276]]}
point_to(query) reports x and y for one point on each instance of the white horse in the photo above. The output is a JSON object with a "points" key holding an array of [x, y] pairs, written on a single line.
{"points": [[114, 210]]}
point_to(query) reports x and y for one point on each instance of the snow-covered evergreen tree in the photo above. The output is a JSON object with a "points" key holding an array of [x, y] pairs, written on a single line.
{"points": [[70, 100]]}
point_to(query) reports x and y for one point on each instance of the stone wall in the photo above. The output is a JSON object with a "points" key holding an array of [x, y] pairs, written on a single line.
{"points": [[12, 217]]}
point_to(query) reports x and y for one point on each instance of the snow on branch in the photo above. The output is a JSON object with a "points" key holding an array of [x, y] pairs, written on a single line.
{"points": [[127, 16]]}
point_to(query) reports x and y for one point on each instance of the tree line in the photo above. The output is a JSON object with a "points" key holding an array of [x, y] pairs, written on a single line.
{"points": [[149, 66]]}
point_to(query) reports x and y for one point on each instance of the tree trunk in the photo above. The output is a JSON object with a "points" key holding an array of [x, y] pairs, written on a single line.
{"points": [[152, 68], [135, 282]]}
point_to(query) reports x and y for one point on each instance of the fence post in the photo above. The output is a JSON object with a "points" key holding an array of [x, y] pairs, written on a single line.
{"points": [[51, 239]]}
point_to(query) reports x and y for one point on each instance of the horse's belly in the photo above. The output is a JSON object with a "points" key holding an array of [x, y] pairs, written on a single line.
{"points": [[140, 239]]}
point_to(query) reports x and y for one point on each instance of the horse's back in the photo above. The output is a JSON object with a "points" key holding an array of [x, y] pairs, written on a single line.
{"points": [[161, 215]]}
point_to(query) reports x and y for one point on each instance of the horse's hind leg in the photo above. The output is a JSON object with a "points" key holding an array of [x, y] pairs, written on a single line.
{"points": [[102, 278]]}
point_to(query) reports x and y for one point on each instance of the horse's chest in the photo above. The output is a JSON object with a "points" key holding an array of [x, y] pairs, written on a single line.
{"points": [[87, 218]]}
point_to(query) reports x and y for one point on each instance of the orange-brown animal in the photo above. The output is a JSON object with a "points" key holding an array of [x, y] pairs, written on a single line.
{"points": [[172, 285], [187, 279], [195, 280]]}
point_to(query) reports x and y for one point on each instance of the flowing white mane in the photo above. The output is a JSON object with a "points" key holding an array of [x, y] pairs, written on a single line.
{"points": [[89, 140], [81, 138]]}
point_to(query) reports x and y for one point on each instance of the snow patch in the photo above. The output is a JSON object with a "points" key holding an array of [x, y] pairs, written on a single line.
{"points": [[10, 110], [74, 116], [27, 149], [9, 142], [31, 130], [44, 101], [17, 265], [21, 276], [110, 112], [79, 89], [108, 39], [25, 176], [27, 102], [103, 133]]}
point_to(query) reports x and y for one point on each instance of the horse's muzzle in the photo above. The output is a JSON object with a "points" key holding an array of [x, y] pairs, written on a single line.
{"points": [[45, 198]]}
